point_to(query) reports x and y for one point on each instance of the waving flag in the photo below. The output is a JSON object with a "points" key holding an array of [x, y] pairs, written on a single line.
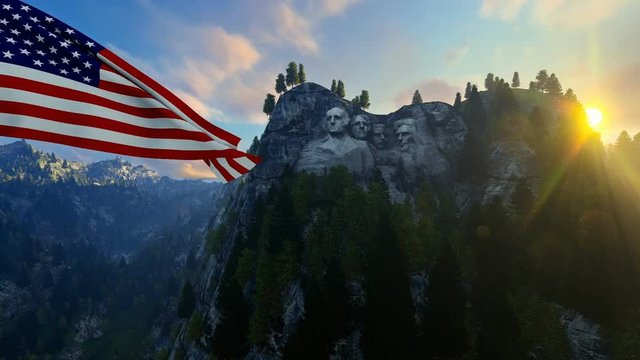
{"points": [[58, 85]]}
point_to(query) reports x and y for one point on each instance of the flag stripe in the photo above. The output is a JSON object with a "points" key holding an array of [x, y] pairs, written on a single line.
{"points": [[89, 132], [246, 162], [37, 87], [108, 74], [214, 170], [111, 147], [54, 103], [17, 108], [166, 97], [42, 77], [225, 174], [225, 164], [236, 166], [123, 89]]}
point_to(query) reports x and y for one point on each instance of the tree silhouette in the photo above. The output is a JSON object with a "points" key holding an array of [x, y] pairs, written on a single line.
{"points": [[417, 98], [515, 82]]}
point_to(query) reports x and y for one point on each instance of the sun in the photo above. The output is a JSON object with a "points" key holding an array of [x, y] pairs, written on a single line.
{"points": [[594, 116]]}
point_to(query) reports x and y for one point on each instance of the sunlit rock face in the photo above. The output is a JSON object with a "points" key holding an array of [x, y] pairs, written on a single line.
{"points": [[313, 130], [509, 162]]}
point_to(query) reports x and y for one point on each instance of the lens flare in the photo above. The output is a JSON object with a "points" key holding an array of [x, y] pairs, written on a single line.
{"points": [[595, 117]]}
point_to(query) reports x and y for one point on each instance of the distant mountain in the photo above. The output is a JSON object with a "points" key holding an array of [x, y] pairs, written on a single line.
{"points": [[111, 203]]}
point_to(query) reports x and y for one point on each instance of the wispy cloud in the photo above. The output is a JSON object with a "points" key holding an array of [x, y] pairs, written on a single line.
{"points": [[434, 89], [456, 55], [283, 26], [507, 10], [333, 7], [194, 170], [557, 13]]}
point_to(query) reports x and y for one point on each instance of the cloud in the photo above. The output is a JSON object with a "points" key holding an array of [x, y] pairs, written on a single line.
{"points": [[434, 89], [284, 26], [455, 55], [555, 13], [507, 10], [334, 7], [195, 170], [212, 56]]}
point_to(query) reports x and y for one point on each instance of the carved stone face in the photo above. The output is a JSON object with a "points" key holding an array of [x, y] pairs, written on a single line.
{"points": [[336, 120], [377, 136], [360, 127], [405, 136]]}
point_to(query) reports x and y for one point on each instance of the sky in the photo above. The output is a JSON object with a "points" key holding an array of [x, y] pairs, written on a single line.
{"points": [[222, 56]]}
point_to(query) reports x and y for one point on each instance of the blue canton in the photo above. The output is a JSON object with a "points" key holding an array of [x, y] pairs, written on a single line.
{"points": [[33, 39]]}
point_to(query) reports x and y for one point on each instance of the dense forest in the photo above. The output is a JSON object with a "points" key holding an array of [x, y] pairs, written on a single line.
{"points": [[500, 275]]}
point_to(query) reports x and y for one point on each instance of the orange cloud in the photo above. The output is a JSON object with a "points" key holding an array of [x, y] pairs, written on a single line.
{"points": [[195, 170]]}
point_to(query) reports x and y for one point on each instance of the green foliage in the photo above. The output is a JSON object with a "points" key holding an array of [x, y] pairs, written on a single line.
{"points": [[302, 76], [269, 104], [230, 338], [515, 82], [281, 85], [196, 324], [246, 266], [540, 326], [417, 98], [187, 301], [541, 80], [457, 103], [467, 90], [362, 100], [570, 95], [215, 238], [291, 78], [340, 89], [334, 86], [553, 86], [489, 82]]}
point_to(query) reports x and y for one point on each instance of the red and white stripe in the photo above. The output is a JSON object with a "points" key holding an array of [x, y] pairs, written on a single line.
{"points": [[117, 117]]}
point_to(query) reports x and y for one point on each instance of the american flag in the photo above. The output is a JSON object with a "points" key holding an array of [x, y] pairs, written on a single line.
{"points": [[58, 85]]}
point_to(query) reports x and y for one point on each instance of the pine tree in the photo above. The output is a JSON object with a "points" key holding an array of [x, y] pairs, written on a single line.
{"points": [[515, 82], [570, 95], [445, 331], [553, 86], [457, 104], [467, 91], [281, 85], [255, 144], [340, 89], [417, 98], [490, 82], [187, 302], [541, 80], [302, 77], [356, 100], [269, 104], [334, 86], [364, 99], [292, 74], [230, 338]]}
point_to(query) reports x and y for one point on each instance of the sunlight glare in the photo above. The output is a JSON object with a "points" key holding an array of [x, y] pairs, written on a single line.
{"points": [[595, 117]]}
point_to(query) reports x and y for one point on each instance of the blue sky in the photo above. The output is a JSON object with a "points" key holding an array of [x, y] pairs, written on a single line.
{"points": [[222, 56]]}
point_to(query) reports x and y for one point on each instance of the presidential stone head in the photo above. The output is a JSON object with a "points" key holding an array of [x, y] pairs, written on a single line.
{"points": [[360, 126], [405, 130], [377, 136], [336, 121]]}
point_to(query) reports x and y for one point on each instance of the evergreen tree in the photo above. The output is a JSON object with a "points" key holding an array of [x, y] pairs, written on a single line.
{"points": [[334, 86], [340, 89], [532, 86], [269, 104], [541, 80], [363, 99], [473, 158], [187, 302], [417, 98], [467, 91], [457, 104], [255, 144], [490, 82], [292, 74], [302, 77], [570, 95], [553, 86], [522, 197], [515, 82], [389, 313], [230, 338], [281, 85], [445, 332]]}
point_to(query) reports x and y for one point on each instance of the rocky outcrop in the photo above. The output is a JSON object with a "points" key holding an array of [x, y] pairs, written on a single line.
{"points": [[585, 340]]}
